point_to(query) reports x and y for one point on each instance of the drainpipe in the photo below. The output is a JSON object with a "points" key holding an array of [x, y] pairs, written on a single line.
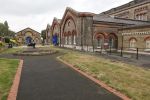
{"points": [[92, 34], [60, 36], [81, 33]]}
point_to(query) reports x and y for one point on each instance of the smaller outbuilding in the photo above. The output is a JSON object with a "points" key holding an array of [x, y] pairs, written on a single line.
{"points": [[27, 36]]}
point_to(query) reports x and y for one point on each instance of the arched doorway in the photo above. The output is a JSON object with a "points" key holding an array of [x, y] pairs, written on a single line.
{"points": [[113, 40], [28, 40]]}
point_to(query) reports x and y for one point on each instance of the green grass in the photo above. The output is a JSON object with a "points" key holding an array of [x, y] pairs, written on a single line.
{"points": [[130, 80], [7, 72], [11, 50]]}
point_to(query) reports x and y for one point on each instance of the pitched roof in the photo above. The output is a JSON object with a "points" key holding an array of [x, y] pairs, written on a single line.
{"points": [[136, 26], [123, 21], [29, 29], [76, 13]]}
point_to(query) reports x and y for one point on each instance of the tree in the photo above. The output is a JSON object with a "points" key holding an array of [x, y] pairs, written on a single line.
{"points": [[5, 31], [7, 40], [6, 25], [43, 34], [11, 33], [2, 29]]}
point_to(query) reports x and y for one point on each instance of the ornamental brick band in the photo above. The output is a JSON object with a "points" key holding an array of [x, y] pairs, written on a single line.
{"points": [[14, 89], [102, 84]]}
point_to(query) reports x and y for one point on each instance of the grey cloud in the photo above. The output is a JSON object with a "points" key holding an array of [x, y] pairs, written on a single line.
{"points": [[30, 7]]}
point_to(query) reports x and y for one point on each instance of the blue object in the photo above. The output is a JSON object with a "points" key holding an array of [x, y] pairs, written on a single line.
{"points": [[55, 40], [28, 40]]}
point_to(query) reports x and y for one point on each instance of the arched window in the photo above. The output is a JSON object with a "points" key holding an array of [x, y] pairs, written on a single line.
{"points": [[147, 42], [99, 40], [74, 39], [69, 39], [133, 43], [19, 39], [111, 42], [66, 41]]}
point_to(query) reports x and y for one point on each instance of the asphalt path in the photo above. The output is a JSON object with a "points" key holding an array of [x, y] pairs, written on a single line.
{"points": [[45, 78]]}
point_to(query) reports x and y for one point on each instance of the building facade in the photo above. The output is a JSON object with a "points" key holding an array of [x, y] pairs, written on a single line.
{"points": [[137, 9], [27, 36], [91, 32], [48, 34], [135, 37], [56, 31]]}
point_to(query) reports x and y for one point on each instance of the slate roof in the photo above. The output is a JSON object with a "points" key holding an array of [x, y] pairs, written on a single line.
{"points": [[109, 19]]}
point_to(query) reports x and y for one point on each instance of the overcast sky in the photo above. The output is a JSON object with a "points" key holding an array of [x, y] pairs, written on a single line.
{"points": [[38, 13]]}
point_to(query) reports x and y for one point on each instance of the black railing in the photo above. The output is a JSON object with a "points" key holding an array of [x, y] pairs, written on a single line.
{"points": [[125, 52]]}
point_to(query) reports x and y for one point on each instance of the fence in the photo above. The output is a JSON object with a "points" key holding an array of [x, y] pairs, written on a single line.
{"points": [[126, 52]]}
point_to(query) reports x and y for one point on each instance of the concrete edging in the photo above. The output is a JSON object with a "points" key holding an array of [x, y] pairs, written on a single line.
{"points": [[14, 88], [99, 82]]}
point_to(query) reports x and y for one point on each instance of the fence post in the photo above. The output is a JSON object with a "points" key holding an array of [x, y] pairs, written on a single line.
{"points": [[121, 51], [137, 53], [87, 47], [101, 49], [110, 50]]}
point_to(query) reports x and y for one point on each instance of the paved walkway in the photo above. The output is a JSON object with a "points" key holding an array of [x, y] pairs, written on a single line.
{"points": [[45, 78]]}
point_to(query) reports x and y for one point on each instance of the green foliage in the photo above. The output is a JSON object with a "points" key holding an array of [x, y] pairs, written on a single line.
{"points": [[6, 25], [7, 40], [2, 44], [5, 31], [43, 34]]}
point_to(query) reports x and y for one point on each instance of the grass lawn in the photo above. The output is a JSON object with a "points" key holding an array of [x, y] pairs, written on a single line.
{"points": [[128, 79], [7, 72], [10, 50]]}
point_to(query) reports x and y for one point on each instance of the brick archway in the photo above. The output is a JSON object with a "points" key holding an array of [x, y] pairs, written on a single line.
{"points": [[69, 18], [147, 38], [132, 38], [99, 35]]}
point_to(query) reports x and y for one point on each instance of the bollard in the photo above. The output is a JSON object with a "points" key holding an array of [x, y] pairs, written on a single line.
{"points": [[121, 51], [101, 49], [110, 50], [137, 54]]}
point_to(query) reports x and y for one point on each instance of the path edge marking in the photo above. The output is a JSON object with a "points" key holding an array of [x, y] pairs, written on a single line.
{"points": [[14, 88], [99, 82]]}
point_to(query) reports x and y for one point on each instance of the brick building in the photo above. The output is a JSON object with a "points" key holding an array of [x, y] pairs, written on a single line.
{"points": [[89, 31], [136, 9], [28, 35], [48, 34]]}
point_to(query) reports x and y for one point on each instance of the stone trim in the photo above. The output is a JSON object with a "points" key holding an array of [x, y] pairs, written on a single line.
{"points": [[136, 33]]}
